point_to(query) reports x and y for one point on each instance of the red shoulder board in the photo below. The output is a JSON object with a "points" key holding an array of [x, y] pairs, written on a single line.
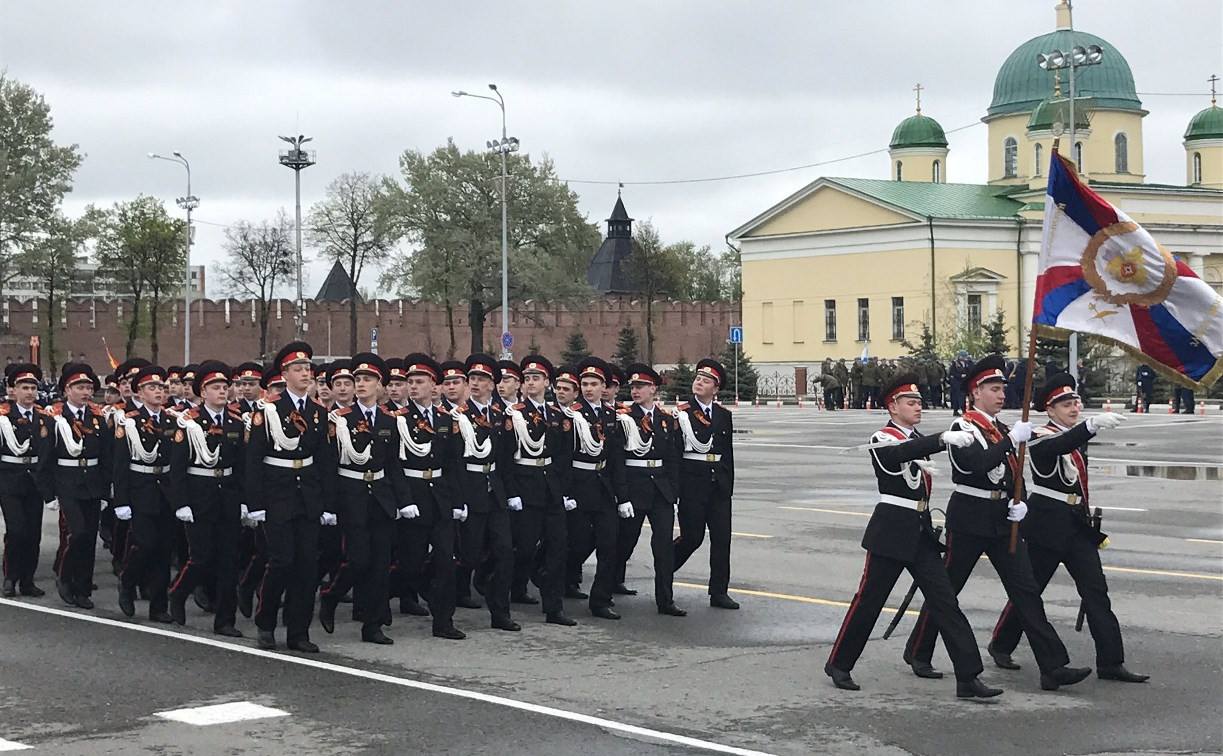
{"points": [[55, 410], [97, 408], [520, 406], [193, 414], [316, 401], [622, 410], [133, 413], [661, 409], [461, 408], [441, 408], [234, 406], [385, 411], [895, 433], [342, 411], [39, 409], [683, 407], [984, 425], [576, 406]]}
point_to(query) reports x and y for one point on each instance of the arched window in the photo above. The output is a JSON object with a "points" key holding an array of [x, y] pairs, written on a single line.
{"points": [[1121, 149], [1010, 158], [1078, 156], [1197, 167], [938, 172], [1039, 155], [898, 172]]}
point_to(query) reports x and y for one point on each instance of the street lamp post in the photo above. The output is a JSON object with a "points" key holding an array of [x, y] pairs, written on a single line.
{"points": [[504, 146], [188, 203], [297, 159]]}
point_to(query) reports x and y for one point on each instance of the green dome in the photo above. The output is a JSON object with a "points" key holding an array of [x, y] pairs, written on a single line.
{"points": [[1206, 125], [1021, 84], [1057, 110], [918, 131]]}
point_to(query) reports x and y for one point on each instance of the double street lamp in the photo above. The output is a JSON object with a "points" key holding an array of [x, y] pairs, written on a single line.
{"points": [[504, 146], [188, 203]]}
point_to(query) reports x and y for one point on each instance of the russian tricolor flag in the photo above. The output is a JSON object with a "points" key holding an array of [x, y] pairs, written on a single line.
{"points": [[1103, 274]]}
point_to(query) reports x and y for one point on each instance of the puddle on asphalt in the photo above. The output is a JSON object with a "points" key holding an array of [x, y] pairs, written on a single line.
{"points": [[1167, 472]]}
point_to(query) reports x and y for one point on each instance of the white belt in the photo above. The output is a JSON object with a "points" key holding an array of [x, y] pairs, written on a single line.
{"points": [[589, 465], [423, 474], [296, 464], [210, 472], [702, 457], [77, 462], [533, 461], [367, 476], [981, 493], [147, 469], [900, 501], [18, 460], [643, 462], [490, 467], [1070, 498]]}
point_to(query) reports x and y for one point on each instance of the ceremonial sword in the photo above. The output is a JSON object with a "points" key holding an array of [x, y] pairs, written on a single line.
{"points": [[908, 599], [1097, 519]]}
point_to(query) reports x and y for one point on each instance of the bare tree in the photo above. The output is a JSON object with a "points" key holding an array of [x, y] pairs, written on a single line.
{"points": [[258, 258]]}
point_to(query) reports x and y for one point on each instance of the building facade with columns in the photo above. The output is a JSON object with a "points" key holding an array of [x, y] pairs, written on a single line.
{"points": [[847, 264]]}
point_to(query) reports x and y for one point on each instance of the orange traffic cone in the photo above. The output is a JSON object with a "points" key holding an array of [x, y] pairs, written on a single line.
{"points": [[1138, 408], [1108, 405], [1202, 409], [1169, 407]]}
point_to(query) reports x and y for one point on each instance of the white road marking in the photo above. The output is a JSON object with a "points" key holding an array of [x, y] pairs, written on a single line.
{"points": [[1155, 462], [549, 711], [226, 713], [8, 745]]}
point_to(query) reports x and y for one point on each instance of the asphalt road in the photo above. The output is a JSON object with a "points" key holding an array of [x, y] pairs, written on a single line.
{"points": [[748, 681]]}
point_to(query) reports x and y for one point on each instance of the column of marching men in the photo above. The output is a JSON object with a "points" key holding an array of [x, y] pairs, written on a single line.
{"points": [[259, 489]]}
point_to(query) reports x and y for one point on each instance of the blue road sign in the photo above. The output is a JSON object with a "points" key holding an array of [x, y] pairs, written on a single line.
{"points": [[736, 334], [507, 340]]}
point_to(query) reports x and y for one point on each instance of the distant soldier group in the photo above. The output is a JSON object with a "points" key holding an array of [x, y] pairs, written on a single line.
{"points": [[858, 385]]}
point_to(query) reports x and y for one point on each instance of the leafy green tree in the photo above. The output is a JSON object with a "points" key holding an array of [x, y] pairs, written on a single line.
{"points": [[259, 257], [35, 173], [142, 251], [678, 380], [626, 347], [576, 349], [354, 225], [449, 208], [748, 376], [51, 263]]}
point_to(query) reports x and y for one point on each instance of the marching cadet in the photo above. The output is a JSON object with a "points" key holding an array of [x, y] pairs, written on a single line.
{"points": [[900, 536], [615, 379], [205, 482], [396, 386], [707, 479], [253, 562], [651, 470], [320, 388], [290, 471], [979, 517], [509, 388], [369, 492], [141, 475], [119, 528], [110, 390], [565, 389], [189, 398], [597, 484], [78, 468], [25, 445], [246, 381], [425, 444], [536, 486], [485, 436], [454, 383], [1061, 530], [339, 379], [174, 384]]}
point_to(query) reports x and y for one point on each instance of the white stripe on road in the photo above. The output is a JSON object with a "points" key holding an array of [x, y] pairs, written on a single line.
{"points": [[226, 713], [8, 745], [1154, 462], [607, 724]]}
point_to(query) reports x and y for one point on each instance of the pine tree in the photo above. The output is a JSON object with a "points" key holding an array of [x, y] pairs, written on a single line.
{"points": [[576, 349], [678, 379], [626, 347], [995, 334], [747, 376]]}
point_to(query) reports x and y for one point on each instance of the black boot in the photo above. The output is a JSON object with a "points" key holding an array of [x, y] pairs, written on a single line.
{"points": [[178, 609], [266, 640], [620, 589], [127, 604], [560, 618], [326, 613], [1119, 673], [974, 688], [1063, 676], [841, 678], [722, 601], [923, 669], [1001, 658], [9, 590]]}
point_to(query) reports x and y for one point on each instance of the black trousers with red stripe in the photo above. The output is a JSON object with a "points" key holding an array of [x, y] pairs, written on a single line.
{"points": [[540, 549], [368, 536], [1015, 571], [878, 578], [487, 533], [292, 572], [151, 534], [212, 560], [1082, 560], [78, 526], [22, 507]]}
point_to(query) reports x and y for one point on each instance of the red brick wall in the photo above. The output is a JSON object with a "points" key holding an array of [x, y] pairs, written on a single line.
{"points": [[696, 329]]}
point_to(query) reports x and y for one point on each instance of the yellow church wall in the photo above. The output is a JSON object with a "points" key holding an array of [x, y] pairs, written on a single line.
{"points": [[1015, 126], [829, 208], [1212, 268], [784, 304], [1099, 152], [1211, 153]]}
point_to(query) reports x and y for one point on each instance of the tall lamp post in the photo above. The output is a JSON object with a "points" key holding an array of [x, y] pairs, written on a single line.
{"points": [[188, 203], [297, 159], [504, 146]]}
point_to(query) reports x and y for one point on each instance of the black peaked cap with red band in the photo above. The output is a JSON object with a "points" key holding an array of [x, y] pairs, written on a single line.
{"points": [[641, 373], [534, 363], [1060, 387], [294, 351], [419, 363], [20, 372], [482, 364], [902, 385], [78, 372], [210, 371], [986, 369], [713, 369], [369, 363]]}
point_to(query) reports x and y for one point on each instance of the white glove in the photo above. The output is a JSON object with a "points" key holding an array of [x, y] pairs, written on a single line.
{"points": [[185, 514], [460, 514], [1016, 511], [105, 504], [927, 466], [675, 507], [123, 513], [246, 513], [515, 503], [327, 518], [1021, 432], [410, 512], [958, 439], [570, 504], [53, 505], [1104, 421], [625, 510], [259, 515]]}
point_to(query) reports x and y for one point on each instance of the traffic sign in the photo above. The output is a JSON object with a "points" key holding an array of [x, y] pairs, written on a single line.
{"points": [[507, 340], [373, 340], [736, 334]]}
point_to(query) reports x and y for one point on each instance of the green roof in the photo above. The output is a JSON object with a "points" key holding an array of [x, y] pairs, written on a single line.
{"points": [[939, 200], [1021, 84], [918, 131], [1207, 124]]}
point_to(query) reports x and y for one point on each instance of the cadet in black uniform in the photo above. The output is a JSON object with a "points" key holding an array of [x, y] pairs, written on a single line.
{"points": [[901, 537], [25, 444], [290, 472], [706, 479], [369, 493], [979, 517], [651, 468], [1060, 530]]}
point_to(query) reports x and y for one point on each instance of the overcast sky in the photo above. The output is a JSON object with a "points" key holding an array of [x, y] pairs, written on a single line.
{"points": [[632, 90]]}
